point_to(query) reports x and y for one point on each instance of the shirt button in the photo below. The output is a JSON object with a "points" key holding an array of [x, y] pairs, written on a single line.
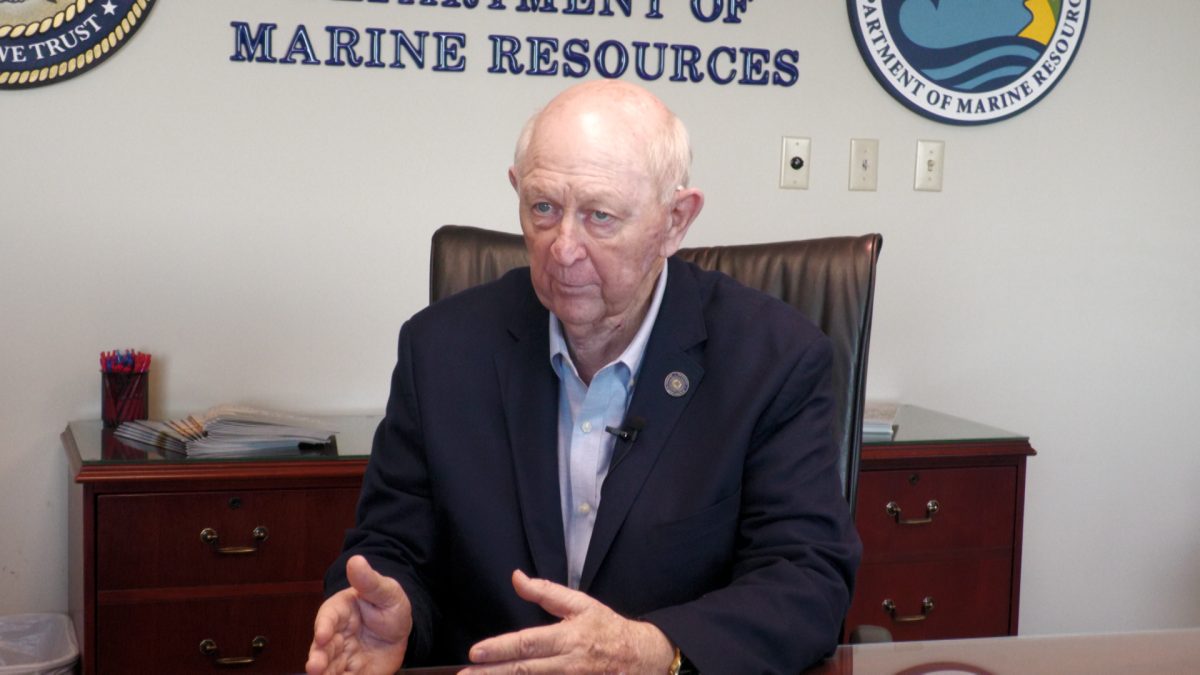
{"points": [[586, 427], [585, 508]]}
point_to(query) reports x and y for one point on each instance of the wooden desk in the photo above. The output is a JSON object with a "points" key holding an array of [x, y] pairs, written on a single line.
{"points": [[1168, 652], [148, 594], [940, 511]]}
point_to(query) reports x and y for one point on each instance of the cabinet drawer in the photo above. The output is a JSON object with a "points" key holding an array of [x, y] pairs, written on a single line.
{"points": [[165, 637], [970, 598], [975, 509], [155, 540]]}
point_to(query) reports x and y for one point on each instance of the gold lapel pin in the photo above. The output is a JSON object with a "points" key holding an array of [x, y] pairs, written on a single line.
{"points": [[676, 384]]}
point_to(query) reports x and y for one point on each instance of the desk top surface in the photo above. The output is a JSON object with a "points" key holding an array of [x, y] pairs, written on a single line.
{"points": [[915, 424], [96, 446], [1165, 652]]}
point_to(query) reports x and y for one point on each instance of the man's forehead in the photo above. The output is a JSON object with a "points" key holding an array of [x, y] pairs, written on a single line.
{"points": [[604, 153], [583, 187]]}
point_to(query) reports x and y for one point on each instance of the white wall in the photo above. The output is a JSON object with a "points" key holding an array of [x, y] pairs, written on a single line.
{"points": [[263, 229]]}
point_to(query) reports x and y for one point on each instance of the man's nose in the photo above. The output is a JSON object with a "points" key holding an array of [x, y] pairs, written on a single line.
{"points": [[567, 249]]}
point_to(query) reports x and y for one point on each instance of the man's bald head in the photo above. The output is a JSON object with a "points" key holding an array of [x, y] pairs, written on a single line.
{"points": [[633, 116]]}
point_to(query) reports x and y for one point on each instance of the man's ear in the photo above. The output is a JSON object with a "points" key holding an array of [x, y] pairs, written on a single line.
{"points": [[685, 206], [512, 176]]}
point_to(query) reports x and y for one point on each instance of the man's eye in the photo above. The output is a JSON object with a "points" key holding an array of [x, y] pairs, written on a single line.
{"points": [[542, 208], [601, 216]]}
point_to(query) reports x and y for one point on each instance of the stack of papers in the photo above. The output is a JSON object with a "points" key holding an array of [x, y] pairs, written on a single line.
{"points": [[879, 421], [230, 431]]}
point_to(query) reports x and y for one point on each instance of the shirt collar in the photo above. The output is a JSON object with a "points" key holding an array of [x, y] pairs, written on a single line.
{"points": [[633, 354]]}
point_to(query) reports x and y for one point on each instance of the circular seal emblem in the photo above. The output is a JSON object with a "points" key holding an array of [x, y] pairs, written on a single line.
{"points": [[968, 61], [676, 384], [47, 41]]}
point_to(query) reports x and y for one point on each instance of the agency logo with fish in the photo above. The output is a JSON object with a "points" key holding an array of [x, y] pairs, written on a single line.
{"points": [[968, 61], [47, 41]]}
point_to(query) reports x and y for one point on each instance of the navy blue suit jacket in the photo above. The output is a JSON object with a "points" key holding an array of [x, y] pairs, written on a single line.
{"points": [[723, 523]]}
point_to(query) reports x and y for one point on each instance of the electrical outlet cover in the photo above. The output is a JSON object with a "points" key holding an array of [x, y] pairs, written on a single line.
{"points": [[794, 162]]}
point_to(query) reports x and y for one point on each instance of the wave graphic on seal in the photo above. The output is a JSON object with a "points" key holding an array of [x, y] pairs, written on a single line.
{"points": [[970, 45]]}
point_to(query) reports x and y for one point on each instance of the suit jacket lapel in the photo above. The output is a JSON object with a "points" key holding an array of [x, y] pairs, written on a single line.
{"points": [[677, 330], [530, 399]]}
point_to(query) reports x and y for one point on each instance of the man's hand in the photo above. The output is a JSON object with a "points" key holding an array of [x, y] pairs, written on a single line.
{"points": [[362, 629], [591, 638]]}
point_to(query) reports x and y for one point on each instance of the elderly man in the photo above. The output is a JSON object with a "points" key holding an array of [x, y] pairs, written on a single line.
{"points": [[610, 461]]}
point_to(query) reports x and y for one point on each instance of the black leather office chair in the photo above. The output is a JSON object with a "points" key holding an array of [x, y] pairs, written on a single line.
{"points": [[831, 281]]}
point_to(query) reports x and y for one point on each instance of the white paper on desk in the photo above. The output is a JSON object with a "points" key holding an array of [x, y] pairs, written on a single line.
{"points": [[879, 420]]}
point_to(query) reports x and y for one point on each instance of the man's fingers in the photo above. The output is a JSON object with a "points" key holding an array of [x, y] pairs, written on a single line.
{"points": [[534, 644], [334, 618], [554, 665], [337, 614], [364, 626], [590, 638], [523, 645], [554, 598], [373, 587]]}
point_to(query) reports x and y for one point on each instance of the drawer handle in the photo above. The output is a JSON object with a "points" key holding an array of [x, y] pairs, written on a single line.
{"points": [[210, 537], [209, 648], [931, 507], [889, 606]]}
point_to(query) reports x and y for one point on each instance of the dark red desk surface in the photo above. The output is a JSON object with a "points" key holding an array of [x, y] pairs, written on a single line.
{"points": [[1165, 652]]}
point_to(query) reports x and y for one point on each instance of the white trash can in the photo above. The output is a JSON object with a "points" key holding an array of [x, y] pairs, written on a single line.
{"points": [[37, 644]]}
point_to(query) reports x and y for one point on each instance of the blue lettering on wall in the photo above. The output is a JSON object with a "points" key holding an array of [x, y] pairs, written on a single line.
{"points": [[404, 44], [686, 58], [753, 71], [713, 71], [537, 56], [573, 7], [245, 47], [545, 6], [730, 8], [376, 44], [639, 60], [504, 54], [342, 41], [576, 54], [574, 58], [604, 59], [302, 45], [449, 60], [540, 51], [786, 71]]}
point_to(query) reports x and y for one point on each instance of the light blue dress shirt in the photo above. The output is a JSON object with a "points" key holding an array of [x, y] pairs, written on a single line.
{"points": [[584, 447]]}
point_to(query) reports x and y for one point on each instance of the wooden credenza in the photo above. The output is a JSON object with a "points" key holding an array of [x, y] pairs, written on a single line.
{"points": [[200, 565], [940, 510]]}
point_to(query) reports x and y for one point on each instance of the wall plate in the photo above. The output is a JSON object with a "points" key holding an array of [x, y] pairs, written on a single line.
{"points": [[864, 163], [794, 162], [931, 156]]}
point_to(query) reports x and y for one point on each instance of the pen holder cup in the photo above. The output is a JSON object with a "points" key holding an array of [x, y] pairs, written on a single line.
{"points": [[124, 397]]}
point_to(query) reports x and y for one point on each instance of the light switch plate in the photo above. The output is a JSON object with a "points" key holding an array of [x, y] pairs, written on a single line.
{"points": [[864, 163], [931, 156], [794, 162]]}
